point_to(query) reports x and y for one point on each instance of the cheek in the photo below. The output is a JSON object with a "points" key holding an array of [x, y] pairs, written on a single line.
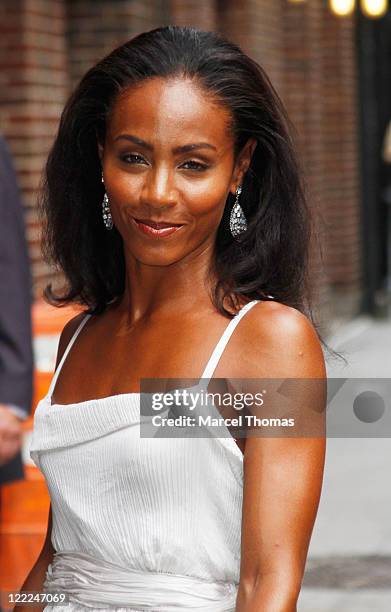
{"points": [[204, 197], [123, 187]]}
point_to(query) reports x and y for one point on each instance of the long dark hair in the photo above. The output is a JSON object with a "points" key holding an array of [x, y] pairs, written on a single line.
{"points": [[270, 259]]}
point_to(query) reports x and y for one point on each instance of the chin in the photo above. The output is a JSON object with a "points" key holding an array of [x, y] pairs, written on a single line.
{"points": [[162, 259]]}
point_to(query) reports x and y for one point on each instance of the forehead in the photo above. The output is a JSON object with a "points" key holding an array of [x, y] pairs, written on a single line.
{"points": [[170, 109]]}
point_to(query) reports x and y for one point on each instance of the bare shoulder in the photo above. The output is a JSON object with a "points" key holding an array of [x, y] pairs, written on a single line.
{"points": [[281, 323], [66, 335], [285, 338]]}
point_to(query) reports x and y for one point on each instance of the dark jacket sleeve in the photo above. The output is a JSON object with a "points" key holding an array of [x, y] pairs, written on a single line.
{"points": [[16, 354]]}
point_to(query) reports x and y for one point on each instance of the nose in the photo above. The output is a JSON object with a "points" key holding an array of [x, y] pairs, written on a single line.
{"points": [[158, 190]]}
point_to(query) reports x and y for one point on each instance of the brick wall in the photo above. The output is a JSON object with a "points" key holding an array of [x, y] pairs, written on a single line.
{"points": [[47, 45], [257, 26], [96, 27], [33, 85], [341, 167], [319, 90], [200, 14], [302, 94]]}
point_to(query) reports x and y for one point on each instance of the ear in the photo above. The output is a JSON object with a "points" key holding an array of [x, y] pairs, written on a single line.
{"points": [[243, 163]]}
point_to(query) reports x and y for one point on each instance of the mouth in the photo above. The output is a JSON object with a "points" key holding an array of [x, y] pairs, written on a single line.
{"points": [[155, 229]]}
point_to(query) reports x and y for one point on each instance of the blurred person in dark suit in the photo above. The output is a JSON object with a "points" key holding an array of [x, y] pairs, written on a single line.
{"points": [[16, 354]]}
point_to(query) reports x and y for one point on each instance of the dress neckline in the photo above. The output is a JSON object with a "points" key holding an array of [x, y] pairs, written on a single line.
{"points": [[55, 409], [92, 400]]}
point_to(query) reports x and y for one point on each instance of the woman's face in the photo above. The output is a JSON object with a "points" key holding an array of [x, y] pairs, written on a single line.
{"points": [[168, 157]]}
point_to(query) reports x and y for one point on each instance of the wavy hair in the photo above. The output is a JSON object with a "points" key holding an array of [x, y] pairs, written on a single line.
{"points": [[269, 259]]}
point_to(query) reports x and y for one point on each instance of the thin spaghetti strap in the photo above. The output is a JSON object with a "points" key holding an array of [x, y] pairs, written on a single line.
{"points": [[220, 346], [68, 348]]}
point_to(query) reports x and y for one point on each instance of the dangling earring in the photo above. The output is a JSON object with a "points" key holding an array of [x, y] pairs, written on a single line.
{"points": [[237, 220], [107, 218]]}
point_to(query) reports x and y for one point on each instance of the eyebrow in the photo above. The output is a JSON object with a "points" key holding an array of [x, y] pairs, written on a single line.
{"points": [[182, 149]]}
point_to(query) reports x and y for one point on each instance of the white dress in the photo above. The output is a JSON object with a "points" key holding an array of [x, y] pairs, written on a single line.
{"points": [[139, 524]]}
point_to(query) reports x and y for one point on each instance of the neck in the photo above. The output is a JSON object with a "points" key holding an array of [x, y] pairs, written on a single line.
{"points": [[153, 290]]}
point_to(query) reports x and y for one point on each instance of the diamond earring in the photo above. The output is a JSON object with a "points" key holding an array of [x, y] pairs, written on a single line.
{"points": [[107, 218], [237, 220]]}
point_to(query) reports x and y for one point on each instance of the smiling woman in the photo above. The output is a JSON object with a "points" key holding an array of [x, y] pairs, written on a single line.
{"points": [[150, 179], [173, 203]]}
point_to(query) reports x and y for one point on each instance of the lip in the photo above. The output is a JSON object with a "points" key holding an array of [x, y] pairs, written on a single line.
{"points": [[157, 224], [156, 232]]}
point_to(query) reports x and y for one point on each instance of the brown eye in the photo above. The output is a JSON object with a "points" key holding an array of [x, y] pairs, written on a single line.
{"points": [[133, 159], [194, 165]]}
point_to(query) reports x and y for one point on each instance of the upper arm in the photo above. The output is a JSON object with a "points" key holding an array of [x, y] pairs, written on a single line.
{"points": [[283, 475]]}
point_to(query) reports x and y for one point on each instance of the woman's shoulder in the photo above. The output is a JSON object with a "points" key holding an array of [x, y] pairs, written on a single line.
{"points": [[67, 333], [275, 317], [285, 337], [278, 318]]}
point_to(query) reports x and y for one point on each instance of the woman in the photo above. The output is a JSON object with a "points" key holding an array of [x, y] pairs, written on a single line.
{"points": [[158, 144]]}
